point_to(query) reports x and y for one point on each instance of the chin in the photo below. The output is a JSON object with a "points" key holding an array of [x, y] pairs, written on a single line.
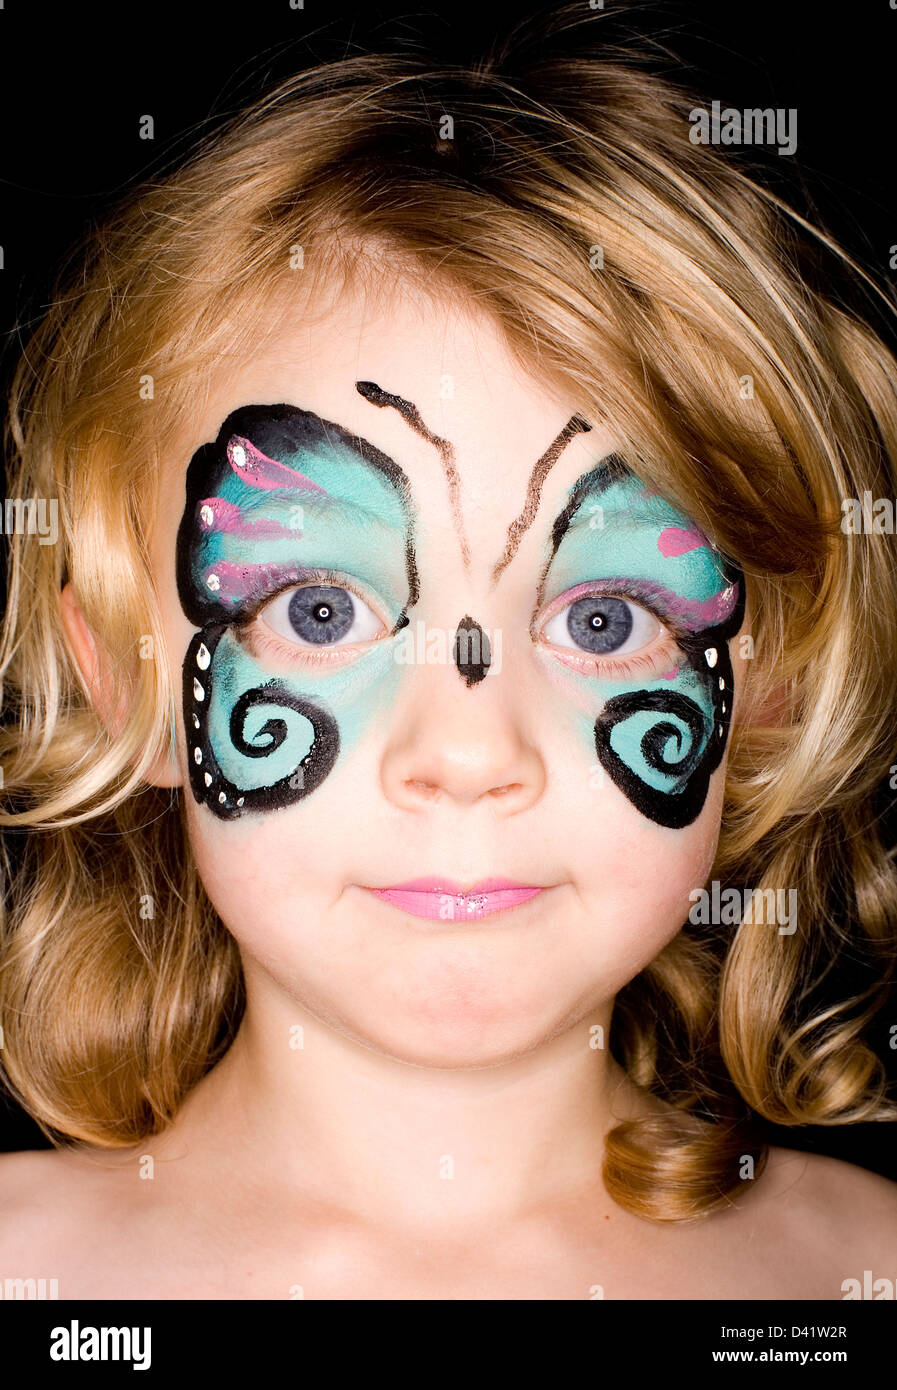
{"points": [[452, 1046], [450, 1015]]}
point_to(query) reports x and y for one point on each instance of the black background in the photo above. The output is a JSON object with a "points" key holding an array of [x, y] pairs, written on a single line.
{"points": [[77, 78]]}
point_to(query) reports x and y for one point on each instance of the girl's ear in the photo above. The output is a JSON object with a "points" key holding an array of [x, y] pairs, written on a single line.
{"points": [[108, 697]]}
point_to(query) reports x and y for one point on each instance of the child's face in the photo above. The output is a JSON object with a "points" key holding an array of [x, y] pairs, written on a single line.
{"points": [[426, 633]]}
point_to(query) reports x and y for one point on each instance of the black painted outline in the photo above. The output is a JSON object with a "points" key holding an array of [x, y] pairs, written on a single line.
{"points": [[673, 809], [222, 796], [278, 431], [275, 430], [678, 809]]}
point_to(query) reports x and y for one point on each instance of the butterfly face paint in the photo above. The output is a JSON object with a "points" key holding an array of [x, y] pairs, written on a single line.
{"points": [[288, 513], [621, 553]]}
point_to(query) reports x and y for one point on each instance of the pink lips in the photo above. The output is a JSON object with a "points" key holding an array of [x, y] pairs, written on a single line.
{"points": [[441, 900]]}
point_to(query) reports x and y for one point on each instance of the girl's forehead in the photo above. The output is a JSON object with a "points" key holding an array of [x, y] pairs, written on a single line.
{"points": [[447, 355], [432, 384]]}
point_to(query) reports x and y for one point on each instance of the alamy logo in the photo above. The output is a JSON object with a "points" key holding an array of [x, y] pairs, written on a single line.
{"points": [[869, 1288], [753, 906], [871, 516], [469, 647], [754, 126], [29, 516], [77, 1343], [29, 1288]]}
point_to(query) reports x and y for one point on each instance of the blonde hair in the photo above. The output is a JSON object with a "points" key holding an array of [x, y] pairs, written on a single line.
{"points": [[119, 985]]}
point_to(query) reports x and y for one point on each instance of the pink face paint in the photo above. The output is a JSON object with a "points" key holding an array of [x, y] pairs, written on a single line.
{"points": [[697, 614], [691, 613], [660, 741], [257, 742], [239, 584], [675, 540], [257, 470], [217, 514]]}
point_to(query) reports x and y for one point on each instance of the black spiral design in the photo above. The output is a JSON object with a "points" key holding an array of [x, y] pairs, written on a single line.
{"points": [[707, 653], [209, 784], [667, 808]]}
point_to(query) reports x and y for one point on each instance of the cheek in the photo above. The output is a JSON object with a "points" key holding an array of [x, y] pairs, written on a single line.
{"points": [[659, 743], [259, 741], [273, 879], [634, 878]]}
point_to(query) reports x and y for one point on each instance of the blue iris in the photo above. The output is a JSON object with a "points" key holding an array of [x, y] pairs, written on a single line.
{"points": [[321, 613], [599, 624]]}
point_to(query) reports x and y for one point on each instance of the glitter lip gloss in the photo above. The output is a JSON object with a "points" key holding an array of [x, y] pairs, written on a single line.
{"points": [[443, 900]]}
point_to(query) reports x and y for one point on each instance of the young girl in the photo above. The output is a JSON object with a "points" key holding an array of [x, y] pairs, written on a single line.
{"points": [[448, 724]]}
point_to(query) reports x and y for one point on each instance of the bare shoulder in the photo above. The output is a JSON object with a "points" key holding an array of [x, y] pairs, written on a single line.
{"points": [[848, 1214], [25, 1175], [831, 1183], [45, 1195], [801, 1229]]}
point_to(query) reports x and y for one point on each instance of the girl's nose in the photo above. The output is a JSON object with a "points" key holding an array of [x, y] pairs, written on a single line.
{"points": [[462, 741]]}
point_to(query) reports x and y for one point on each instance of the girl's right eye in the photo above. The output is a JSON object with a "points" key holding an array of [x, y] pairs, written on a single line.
{"points": [[321, 615]]}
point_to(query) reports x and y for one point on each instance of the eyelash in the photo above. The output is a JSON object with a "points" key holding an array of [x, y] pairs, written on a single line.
{"points": [[258, 640], [624, 667], [668, 649]]}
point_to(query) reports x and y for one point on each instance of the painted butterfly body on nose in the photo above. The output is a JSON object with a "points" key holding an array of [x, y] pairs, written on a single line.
{"points": [[471, 651]]}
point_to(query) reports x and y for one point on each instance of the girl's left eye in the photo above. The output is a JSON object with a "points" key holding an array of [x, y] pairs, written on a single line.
{"points": [[603, 625], [321, 615]]}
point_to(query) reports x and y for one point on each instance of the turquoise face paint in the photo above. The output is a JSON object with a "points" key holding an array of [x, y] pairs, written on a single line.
{"points": [[283, 499], [659, 739], [280, 496]]}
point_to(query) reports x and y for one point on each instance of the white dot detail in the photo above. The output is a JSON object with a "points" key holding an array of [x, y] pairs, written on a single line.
{"points": [[213, 582], [206, 515], [710, 656], [198, 692], [202, 656], [240, 800], [722, 683], [238, 456], [197, 755], [222, 797], [208, 778], [195, 722]]}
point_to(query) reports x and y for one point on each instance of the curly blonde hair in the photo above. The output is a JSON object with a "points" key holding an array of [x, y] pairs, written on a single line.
{"points": [[739, 387]]}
